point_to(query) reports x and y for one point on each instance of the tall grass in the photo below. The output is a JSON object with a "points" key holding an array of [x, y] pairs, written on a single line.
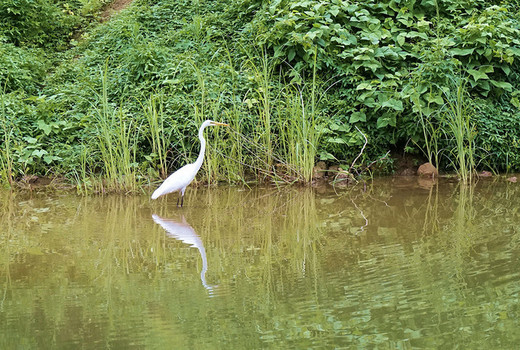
{"points": [[263, 96], [81, 175], [459, 127], [6, 159], [282, 144], [117, 144], [301, 134], [158, 134], [431, 133]]}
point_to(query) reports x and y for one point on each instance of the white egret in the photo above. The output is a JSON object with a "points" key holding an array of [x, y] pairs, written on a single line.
{"points": [[179, 180]]}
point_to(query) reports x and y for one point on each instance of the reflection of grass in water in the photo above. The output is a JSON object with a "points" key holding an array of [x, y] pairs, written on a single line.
{"points": [[7, 217], [282, 232], [113, 266]]}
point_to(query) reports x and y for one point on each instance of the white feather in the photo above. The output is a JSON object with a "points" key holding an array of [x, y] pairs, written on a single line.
{"points": [[178, 181]]}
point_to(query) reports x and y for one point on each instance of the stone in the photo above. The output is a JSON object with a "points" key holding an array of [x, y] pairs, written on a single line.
{"points": [[427, 169], [485, 174], [512, 179], [320, 170]]}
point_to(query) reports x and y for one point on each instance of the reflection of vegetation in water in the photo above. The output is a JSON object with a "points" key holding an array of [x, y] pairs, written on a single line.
{"points": [[100, 260], [100, 271]]}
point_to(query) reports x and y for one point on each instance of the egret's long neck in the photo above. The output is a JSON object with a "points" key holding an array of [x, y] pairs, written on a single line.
{"points": [[200, 158]]}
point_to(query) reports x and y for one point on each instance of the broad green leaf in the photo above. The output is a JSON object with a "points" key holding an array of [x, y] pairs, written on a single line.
{"points": [[401, 39], [326, 156], [502, 85], [414, 34], [365, 86], [49, 159], [291, 54], [334, 10], [382, 122], [46, 128], [336, 140], [434, 99], [487, 69], [358, 117], [477, 74], [394, 104], [462, 52], [30, 140], [506, 69], [39, 153], [372, 65]]}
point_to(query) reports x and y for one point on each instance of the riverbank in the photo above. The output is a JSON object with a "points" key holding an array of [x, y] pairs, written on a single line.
{"points": [[119, 106]]}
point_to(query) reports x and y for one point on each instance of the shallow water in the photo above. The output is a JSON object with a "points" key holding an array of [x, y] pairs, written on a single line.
{"points": [[404, 264]]}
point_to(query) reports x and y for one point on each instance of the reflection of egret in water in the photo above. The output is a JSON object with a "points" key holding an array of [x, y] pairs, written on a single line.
{"points": [[185, 233]]}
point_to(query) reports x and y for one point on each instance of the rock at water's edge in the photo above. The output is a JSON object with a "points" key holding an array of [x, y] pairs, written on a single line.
{"points": [[319, 170], [427, 169]]}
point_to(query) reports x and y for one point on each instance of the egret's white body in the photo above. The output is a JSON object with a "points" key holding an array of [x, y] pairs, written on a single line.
{"points": [[179, 180]]}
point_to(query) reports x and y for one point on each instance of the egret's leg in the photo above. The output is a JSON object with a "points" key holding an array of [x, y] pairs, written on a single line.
{"points": [[182, 196]]}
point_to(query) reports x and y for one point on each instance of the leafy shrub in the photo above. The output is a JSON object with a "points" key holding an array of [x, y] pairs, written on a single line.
{"points": [[498, 136], [45, 23], [381, 67], [21, 68], [392, 58], [35, 22]]}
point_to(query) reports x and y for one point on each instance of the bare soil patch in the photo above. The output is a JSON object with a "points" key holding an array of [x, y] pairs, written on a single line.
{"points": [[113, 8]]}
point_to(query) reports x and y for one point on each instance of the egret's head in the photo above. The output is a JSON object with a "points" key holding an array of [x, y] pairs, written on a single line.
{"points": [[212, 123]]}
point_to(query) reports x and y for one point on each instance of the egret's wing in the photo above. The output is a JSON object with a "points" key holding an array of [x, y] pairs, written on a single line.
{"points": [[177, 181]]}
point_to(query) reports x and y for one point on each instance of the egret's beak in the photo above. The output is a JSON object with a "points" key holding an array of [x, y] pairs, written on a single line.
{"points": [[219, 124]]}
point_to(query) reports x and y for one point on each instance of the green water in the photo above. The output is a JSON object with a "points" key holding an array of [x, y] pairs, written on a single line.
{"points": [[403, 265]]}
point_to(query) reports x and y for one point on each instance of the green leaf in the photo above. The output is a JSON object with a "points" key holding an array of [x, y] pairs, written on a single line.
{"points": [[291, 54], [434, 99], [358, 117], [49, 159], [502, 85], [462, 52], [364, 86], [385, 120], [340, 128], [401, 39], [326, 156], [336, 140], [382, 122], [477, 74], [39, 153], [30, 140], [334, 10], [393, 103], [506, 69], [46, 128], [414, 34]]}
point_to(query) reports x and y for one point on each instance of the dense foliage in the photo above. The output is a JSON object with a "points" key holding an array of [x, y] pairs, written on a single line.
{"points": [[319, 75]]}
